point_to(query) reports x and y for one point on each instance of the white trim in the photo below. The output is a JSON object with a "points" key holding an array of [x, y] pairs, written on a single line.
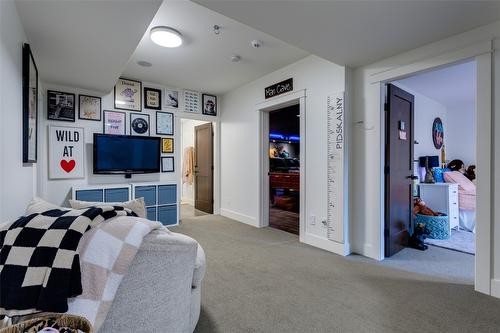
{"points": [[325, 244], [250, 220], [280, 101], [433, 62], [216, 154], [495, 288], [484, 192], [484, 122], [293, 98]]}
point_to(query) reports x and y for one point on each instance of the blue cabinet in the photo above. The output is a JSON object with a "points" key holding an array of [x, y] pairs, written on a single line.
{"points": [[116, 194], [147, 192], [160, 198], [89, 195]]}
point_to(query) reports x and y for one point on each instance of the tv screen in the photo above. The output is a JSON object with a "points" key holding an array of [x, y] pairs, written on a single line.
{"points": [[126, 154]]}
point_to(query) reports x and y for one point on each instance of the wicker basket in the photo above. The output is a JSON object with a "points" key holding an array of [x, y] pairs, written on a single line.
{"points": [[76, 323], [439, 226]]}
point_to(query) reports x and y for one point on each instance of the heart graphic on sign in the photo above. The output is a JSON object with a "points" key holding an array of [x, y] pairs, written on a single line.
{"points": [[68, 166]]}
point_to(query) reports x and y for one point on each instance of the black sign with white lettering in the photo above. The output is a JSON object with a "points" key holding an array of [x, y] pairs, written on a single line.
{"points": [[279, 88]]}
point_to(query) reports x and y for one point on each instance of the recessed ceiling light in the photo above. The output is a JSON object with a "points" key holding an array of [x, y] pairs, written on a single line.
{"points": [[144, 63], [166, 36], [235, 58]]}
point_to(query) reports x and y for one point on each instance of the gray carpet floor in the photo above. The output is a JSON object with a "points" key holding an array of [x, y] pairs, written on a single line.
{"points": [[460, 240], [264, 280]]}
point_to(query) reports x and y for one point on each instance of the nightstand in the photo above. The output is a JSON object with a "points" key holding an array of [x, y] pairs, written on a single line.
{"points": [[442, 198]]}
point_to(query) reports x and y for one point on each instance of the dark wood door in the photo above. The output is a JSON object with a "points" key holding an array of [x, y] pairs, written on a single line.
{"points": [[398, 169], [203, 168]]}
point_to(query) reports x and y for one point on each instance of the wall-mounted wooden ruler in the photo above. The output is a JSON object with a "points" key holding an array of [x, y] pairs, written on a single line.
{"points": [[335, 217]]}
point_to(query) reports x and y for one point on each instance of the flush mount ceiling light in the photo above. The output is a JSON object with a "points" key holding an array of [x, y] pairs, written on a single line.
{"points": [[166, 36]]}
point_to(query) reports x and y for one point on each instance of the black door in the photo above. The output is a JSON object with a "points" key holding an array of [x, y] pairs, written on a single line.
{"points": [[398, 169]]}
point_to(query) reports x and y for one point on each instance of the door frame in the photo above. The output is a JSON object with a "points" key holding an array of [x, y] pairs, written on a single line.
{"points": [[217, 156], [482, 54], [263, 109]]}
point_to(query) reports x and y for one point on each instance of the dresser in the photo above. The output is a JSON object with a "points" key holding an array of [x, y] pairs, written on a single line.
{"points": [[160, 198], [442, 198]]}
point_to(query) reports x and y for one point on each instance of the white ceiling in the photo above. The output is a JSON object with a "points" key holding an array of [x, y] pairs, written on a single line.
{"points": [[84, 43], [452, 86], [203, 62], [356, 32]]}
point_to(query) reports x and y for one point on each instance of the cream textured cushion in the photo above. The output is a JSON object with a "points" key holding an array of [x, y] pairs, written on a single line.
{"points": [[38, 205], [136, 205]]}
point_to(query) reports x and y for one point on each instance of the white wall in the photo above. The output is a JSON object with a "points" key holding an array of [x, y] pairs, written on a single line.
{"points": [[59, 191], [17, 180], [460, 138], [425, 111], [187, 140], [240, 179], [366, 216]]}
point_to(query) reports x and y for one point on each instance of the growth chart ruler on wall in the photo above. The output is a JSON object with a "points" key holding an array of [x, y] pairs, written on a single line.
{"points": [[335, 170]]}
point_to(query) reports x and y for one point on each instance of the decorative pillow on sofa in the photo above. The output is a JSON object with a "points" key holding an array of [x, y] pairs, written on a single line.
{"points": [[38, 205], [136, 205]]}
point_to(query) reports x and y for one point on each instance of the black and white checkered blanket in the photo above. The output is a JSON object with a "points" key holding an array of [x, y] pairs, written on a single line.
{"points": [[39, 263]]}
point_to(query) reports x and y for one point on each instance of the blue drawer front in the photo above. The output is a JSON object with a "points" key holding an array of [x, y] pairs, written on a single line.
{"points": [[116, 195], [148, 193], [151, 213], [167, 215], [89, 195], [167, 194]]}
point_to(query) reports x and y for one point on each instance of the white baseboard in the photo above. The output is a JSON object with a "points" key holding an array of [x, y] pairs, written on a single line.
{"points": [[239, 217], [495, 288], [325, 244]]}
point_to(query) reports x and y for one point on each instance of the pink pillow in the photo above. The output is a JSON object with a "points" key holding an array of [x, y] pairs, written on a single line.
{"points": [[464, 184]]}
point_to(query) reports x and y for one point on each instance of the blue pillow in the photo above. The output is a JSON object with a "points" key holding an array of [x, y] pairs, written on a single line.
{"points": [[438, 174]]}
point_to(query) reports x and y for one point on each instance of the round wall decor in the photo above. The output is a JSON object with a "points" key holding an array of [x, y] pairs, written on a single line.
{"points": [[438, 133]]}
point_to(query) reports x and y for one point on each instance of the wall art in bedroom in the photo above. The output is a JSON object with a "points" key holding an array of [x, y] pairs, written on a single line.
{"points": [[114, 122], [172, 98], [152, 98], [164, 123], [89, 107], [128, 95], [60, 106], [66, 152], [191, 101], [30, 106], [139, 124]]}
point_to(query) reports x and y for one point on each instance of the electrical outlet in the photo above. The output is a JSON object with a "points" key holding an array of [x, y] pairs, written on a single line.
{"points": [[312, 220]]}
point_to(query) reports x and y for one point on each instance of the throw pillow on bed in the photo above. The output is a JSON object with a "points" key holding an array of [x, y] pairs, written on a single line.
{"points": [[136, 205], [38, 205]]}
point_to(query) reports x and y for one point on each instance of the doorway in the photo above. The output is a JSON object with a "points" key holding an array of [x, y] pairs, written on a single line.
{"points": [[430, 168], [284, 169], [197, 168]]}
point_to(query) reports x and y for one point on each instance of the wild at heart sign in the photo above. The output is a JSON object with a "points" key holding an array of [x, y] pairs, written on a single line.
{"points": [[66, 152]]}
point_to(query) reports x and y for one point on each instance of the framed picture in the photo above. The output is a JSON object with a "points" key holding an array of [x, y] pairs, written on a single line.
{"points": [[209, 105], [172, 98], [30, 106], [167, 164], [128, 95], [60, 106], [167, 145], [66, 152], [139, 124], [191, 101], [152, 98], [89, 107], [114, 122], [164, 123]]}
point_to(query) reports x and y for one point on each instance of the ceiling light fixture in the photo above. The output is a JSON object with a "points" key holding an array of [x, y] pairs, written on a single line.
{"points": [[166, 36], [235, 58]]}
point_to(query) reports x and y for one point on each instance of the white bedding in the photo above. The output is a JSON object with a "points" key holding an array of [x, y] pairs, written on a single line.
{"points": [[467, 219]]}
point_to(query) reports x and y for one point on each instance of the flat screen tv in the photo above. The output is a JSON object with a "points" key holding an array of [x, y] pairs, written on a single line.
{"points": [[126, 154]]}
